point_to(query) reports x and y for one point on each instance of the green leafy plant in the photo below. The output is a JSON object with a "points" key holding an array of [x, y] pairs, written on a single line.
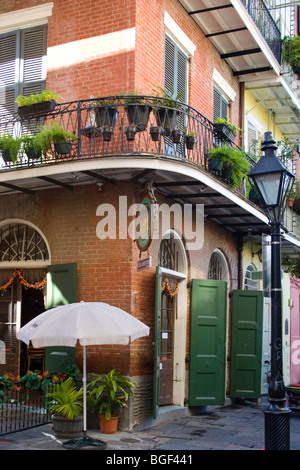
{"points": [[291, 52], [233, 159], [286, 148], [45, 95], [53, 132], [108, 390], [165, 99], [66, 400], [10, 145], [227, 123], [6, 384], [292, 266]]}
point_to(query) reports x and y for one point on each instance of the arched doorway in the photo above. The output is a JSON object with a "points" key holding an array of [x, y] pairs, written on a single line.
{"points": [[218, 268], [24, 257], [173, 262]]}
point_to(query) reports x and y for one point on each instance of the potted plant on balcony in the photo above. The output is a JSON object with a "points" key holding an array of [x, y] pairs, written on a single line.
{"points": [[32, 146], [10, 147], [235, 165], [291, 52], [167, 110], [137, 110], [40, 103], [66, 403], [57, 134], [105, 393], [106, 111], [225, 129], [190, 140]]}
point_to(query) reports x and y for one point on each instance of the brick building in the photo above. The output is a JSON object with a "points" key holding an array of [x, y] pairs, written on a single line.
{"points": [[53, 210]]}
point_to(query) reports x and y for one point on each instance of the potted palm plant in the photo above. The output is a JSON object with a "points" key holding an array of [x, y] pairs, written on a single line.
{"points": [[105, 393], [40, 103], [66, 403], [10, 147]]}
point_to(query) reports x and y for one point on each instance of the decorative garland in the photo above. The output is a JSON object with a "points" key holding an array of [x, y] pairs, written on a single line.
{"points": [[37, 285], [165, 287]]}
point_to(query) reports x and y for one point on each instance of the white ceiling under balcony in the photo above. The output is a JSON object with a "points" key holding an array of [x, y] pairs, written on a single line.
{"points": [[230, 28]]}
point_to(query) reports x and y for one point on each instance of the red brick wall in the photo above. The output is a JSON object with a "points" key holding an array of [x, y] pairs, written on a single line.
{"points": [[138, 69]]}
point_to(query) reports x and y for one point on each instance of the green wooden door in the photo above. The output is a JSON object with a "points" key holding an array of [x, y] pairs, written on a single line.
{"points": [[208, 340], [157, 341], [246, 348], [61, 290]]}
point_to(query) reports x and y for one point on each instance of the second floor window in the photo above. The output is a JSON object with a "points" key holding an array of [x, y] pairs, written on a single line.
{"points": [[221, 105], [22, 70]]}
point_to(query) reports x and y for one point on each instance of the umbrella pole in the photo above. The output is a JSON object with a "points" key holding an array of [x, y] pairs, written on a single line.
{"points": [[85, 440], [84, 389]]}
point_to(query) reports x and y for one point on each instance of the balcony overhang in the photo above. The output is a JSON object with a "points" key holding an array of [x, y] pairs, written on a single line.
{"points": [[278, 98], [231, 29], [179, 182]]}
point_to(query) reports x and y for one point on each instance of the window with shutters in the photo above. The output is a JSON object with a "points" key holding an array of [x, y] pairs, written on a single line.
{"points": [[176, 73], [22, 72], [221, 105]]}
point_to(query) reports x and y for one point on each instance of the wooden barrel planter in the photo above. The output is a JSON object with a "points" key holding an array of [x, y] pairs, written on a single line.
{"points": [[65, 428]]}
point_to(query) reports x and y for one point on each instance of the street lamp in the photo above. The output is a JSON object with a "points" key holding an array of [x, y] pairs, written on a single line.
{"points": [[273, 182]]}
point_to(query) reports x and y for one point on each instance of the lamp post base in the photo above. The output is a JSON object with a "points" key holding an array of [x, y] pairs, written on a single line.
{"points": [[277, 425]]}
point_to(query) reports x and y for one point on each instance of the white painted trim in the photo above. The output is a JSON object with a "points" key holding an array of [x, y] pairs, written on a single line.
{"points": [[255, 123], [25, 18], [178, 35], [223, 85], [26, 264], [248, 22]]}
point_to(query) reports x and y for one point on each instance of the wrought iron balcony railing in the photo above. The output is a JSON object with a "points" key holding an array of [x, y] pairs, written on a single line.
{"points": [[264, 21], [113, 126]]}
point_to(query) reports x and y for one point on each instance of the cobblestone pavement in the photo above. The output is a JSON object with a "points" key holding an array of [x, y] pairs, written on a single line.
{"points": [[235, 427]]}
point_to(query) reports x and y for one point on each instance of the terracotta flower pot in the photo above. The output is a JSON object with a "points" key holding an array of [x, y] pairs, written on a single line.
{"points": [[109, 426]]}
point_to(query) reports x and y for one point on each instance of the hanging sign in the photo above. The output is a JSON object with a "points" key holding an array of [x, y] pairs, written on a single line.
{"points": [[144, 263], [144, 222]]}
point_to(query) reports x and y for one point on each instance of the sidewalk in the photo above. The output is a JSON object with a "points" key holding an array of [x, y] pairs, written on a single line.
{"points": [[236, 427]]}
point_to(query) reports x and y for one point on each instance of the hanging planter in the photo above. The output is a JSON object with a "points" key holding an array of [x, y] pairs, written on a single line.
{"points": [[214, 164], [167, 119], [138, 115], [40, 103], [177, 135], [190, 141], [107, 133], [156, 133], [62, 148], [106, 116], [130, 132]]}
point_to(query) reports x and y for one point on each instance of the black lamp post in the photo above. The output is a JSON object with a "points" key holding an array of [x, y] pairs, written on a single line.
{"points": [[273, 182]]}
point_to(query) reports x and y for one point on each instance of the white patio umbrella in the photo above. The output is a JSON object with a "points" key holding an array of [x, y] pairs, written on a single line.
{"points": [[90, 323]]}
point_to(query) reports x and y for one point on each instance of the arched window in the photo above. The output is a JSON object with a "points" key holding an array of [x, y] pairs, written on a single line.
{"points": [[218, 268], [23, 243], [249, 283]]}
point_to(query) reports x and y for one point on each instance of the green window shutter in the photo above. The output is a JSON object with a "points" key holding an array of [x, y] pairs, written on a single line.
{"points": [[220, 106], [9, 72], [61, 290], [21, 65]]}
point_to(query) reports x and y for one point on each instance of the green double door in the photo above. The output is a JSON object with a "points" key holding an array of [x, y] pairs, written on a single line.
{"points": [[208, 343], [208, 333], [61, 290]]}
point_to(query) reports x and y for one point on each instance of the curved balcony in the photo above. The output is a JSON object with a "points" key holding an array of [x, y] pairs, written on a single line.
{"points": [[117, 126]]}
